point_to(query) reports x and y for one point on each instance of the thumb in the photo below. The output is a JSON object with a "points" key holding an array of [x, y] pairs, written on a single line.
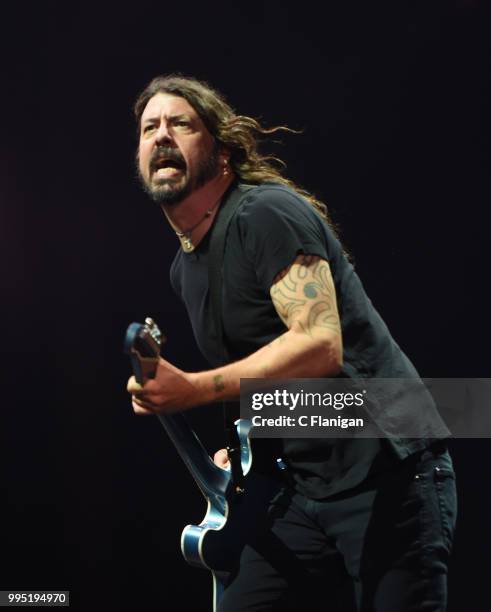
{"points": [[133, 386]]}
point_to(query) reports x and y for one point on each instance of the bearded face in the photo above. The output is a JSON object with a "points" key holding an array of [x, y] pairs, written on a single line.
{"points": [[176, 154]]}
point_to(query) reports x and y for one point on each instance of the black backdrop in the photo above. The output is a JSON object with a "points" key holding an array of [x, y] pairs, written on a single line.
{"points": [[393, 102]]}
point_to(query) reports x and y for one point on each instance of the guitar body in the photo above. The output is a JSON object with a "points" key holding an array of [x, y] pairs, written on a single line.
{"points": [[216, 543], [234, 513]]}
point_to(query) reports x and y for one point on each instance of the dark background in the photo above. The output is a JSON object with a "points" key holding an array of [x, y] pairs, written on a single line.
{"points": [[393, 101]]}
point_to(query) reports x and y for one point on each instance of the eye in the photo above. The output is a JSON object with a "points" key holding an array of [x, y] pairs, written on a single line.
{"points": [[148, 128], [182, 123]]}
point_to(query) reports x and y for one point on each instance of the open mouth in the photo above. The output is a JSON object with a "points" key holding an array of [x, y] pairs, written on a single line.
{"points": [[167, 167]]}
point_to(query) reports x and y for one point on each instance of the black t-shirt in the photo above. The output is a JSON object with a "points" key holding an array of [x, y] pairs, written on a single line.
{"points": [[272, 225]]}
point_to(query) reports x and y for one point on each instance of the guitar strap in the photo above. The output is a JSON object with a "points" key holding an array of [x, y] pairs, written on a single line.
{"points": [[233, 198]]}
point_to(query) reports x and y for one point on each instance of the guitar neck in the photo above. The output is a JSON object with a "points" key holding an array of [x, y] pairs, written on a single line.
{"points": [[211, 479], [142, 344]]}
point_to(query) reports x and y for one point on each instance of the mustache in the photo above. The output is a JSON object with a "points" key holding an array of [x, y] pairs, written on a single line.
{"points": [[161, 154]]}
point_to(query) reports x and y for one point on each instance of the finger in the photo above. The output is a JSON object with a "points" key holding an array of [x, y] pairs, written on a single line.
{"points": [[221, 457], [133, 386], [140, 401], [138, 408]]}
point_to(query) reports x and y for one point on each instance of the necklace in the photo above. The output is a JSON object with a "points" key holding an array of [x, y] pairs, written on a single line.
{"points": [[185, 236]]}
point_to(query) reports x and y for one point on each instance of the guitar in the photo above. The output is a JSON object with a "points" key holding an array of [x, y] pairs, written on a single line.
{"points": [[233, 510]]}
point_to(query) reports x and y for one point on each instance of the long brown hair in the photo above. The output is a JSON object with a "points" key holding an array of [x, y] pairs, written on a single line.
{"points": [[237, 134]]}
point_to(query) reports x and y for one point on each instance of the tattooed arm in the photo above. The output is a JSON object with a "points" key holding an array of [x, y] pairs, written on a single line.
{"points": [[305, 299]]}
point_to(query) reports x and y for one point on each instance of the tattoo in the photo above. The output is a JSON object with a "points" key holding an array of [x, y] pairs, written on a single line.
{"points": [[304, 294], [219, 384]]}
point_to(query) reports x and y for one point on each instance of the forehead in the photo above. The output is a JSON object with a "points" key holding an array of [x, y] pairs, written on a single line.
{"points": [[167, 105]]}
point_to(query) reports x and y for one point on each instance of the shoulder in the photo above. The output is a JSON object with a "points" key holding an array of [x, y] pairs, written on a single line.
{"points": [[274, 205], [273, 198], [272, 225], [272, 219]]}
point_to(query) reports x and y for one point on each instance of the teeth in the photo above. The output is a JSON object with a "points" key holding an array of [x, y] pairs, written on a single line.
{"points": [[167, 171]]}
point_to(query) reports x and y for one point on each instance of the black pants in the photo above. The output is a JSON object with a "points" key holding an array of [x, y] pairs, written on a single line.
{"points": [[381, 548]]}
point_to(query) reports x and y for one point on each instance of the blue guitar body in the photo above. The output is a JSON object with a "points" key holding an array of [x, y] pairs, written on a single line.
{"points": [[233, 512]]}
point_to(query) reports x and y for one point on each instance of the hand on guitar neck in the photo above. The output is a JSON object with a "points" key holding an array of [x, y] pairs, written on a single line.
{"points": [[157, 387], [171, 390]]}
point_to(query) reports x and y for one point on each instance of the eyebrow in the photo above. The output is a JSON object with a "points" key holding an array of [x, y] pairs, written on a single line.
{"points": [[153, 119]]}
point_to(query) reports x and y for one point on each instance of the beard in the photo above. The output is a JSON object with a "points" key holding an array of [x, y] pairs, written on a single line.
{"points": [[171, 191]]}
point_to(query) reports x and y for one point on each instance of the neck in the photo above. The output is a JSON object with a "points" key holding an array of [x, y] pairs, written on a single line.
{"points": [[193, 210]]}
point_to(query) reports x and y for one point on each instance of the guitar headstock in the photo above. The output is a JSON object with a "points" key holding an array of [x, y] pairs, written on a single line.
{"points": [[142, 343]]}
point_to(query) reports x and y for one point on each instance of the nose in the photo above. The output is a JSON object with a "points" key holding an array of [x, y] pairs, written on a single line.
{"points": [[163, 135]]}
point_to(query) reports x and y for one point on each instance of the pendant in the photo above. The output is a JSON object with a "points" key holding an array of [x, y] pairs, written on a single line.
{"points": [[188, 245]]}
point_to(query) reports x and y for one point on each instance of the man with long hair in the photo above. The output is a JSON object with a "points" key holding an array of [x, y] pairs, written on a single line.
{"points": [[363, 520]]}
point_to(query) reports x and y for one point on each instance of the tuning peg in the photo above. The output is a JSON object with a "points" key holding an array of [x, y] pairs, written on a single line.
{"points": [[154, 330]]}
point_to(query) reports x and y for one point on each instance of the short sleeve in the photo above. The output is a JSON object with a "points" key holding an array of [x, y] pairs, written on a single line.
{"points": [[275, 225]]}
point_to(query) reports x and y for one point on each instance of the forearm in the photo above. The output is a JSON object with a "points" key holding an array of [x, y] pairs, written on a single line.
{"points": [[292, 355]]}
